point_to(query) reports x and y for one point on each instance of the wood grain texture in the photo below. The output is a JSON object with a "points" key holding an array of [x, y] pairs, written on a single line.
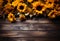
{"points": [[35, 30]]}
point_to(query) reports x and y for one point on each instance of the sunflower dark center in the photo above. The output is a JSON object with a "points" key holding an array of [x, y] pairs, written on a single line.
{"points": [[21, 7], [39, 8], [50, 2], [11, 16]]}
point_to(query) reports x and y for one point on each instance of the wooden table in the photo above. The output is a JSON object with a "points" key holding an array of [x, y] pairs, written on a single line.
{"points": [[30, 30]]}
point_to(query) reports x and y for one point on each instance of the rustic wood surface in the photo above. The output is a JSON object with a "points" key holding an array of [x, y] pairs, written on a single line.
{"points": [[30, 30]]}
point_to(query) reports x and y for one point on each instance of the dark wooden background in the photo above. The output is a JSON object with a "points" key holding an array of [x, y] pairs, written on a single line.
{"points": [[30, 30]]}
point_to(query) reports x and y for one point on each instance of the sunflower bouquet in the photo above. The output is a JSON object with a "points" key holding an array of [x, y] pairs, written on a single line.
{"points": [[50, 8]]}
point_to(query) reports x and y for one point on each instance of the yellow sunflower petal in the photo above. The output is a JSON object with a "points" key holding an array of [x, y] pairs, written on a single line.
{"points": [[15, 3], [29, 1]]}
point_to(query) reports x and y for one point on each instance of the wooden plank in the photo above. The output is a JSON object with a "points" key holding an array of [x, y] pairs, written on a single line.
{"points": [[29, 34], [42, 27]]}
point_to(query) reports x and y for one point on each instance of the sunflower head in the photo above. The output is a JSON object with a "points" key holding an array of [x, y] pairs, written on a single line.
{"points": [[38, 7], [21, 7], [49, 3], [8, 5], [22, 17], [1, 2], [15, 3], [52, 14], [8, 8], [29, 10], [11, 17]]}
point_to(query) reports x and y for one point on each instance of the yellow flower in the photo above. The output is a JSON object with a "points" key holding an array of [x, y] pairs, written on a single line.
{"points": [[38, 7], [49, 4], [22, 17], [29, 1], [29, 10], [21, 7], [52, 14], [9, 1], [58, 13], [11, 17], [1, 2], [15, 3], [8, 5], [21, 0], [8, 8]]}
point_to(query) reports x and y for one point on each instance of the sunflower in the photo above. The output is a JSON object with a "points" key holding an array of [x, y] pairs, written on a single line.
{"points": [[28, 10], [21, 7], [1, 2], [29, 1], [57, 7], [58, 13], [38, 7], [21, 0], [8, 5], [49, 3], [11, 17], [15, 3], [8, 8], [9, 1], [52, 14], [22, 17]]}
